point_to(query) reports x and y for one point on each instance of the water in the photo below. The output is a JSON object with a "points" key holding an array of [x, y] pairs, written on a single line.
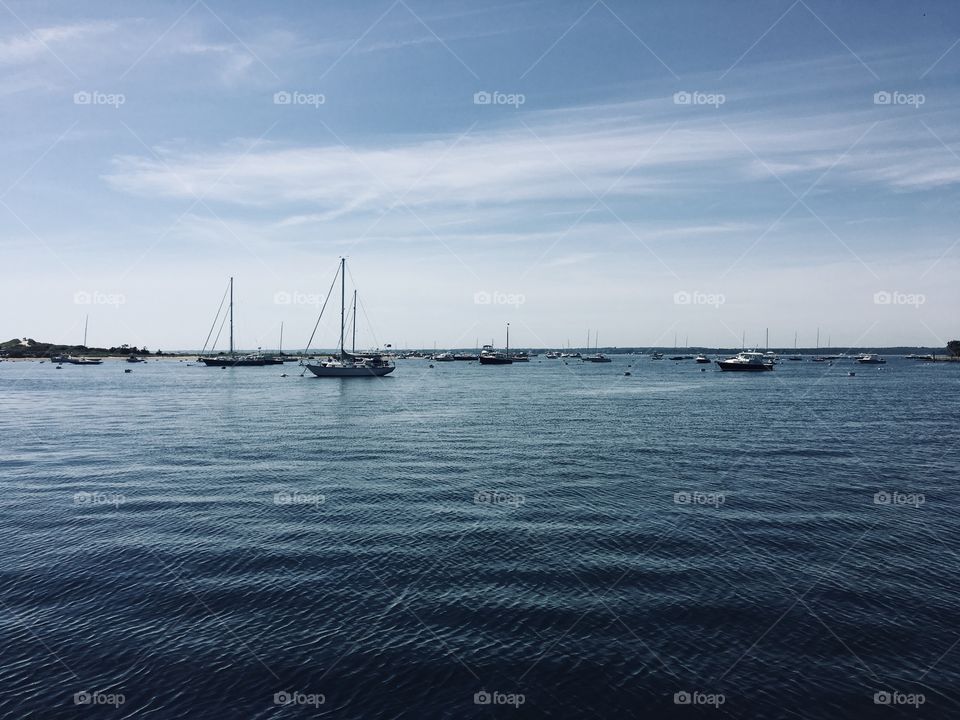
{"points": [[197, 540]]}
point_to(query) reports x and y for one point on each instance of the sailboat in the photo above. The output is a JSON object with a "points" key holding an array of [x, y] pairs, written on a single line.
{"points": [[231, 359], [345, 364], [597, 357], [489, 356], [69, 359]]}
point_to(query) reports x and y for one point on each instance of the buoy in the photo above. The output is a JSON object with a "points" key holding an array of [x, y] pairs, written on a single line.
{"points": [[283, 375], [852, 374], [128, 370], [703, 369], [431, 366], [59, 367], [627, 374]]}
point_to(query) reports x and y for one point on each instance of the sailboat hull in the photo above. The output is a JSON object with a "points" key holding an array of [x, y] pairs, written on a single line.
{"points": [[232, 362], [350, 371]]}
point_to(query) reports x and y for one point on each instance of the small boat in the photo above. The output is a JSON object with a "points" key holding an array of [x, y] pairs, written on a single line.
{"points": [[134, 359], [656, 356], [552, 355], [871, 359], [445, 357], [746, 361], [70, 360], [596, 358], [520, 357], [346, 364], [702, 359], [231, 359], [465, 357]]}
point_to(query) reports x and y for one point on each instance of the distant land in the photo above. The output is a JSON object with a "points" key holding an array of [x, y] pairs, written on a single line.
{"points": [[30, 348]]}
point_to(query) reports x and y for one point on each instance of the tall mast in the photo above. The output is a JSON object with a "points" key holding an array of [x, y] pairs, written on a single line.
{"points": [[354, 346], [508, 338], [231, 316], [281, 338], [588, 341], [85, 321], [343, 299]]}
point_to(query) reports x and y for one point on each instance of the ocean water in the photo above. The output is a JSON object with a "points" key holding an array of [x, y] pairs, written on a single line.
{"points": [[540, 540]]}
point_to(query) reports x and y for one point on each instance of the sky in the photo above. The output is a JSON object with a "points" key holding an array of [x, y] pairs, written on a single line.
{"points": [[654, 173]]}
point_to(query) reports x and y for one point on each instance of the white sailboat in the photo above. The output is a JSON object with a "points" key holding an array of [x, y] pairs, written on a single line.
{"points": [[345, 364]]}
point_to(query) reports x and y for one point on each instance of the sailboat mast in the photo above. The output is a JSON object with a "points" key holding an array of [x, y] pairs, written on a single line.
{"points": [[354, 345], [231, 316], [508, 338], [86, 320], [281, 337], [343, 299]]}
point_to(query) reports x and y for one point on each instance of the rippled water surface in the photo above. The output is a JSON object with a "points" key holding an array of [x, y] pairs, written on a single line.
{"points": [[194, 541]]}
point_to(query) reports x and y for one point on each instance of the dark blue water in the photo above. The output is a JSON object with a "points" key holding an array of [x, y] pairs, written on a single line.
{"points": [[188, 542]]}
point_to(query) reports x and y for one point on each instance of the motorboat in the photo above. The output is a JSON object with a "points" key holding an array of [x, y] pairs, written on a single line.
{"points": [[746, 361]]}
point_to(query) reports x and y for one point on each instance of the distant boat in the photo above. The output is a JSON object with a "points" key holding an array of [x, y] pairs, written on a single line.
{"points": [[596, 358], [134, 359], [345, 364], [445, 357], [702, 359], [465, 357], [489, 356], [552, 355], [871, 359], [230, 359], [520, 357], [70, 360], [656, 356], [746, 361]]}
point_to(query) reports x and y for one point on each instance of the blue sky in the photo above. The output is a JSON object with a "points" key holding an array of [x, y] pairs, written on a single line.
{"points": [[147, 157]]}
